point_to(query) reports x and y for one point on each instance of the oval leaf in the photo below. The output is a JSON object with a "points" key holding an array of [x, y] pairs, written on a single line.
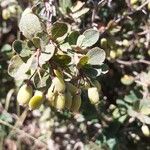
{"points": [[17, 68], [96, 56], [62, 59], [47, 54], [91, 37], [58, 30], [83, 61], [21, 48], [72, 38]]}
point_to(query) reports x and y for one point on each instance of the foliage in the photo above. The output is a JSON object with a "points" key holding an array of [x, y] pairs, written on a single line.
{"points": [[79, 70]]}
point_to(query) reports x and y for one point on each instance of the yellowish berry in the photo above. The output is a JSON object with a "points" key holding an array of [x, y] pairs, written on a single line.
{"points": [[36, 101], [93, 95], [24, 94], [76, 103]]}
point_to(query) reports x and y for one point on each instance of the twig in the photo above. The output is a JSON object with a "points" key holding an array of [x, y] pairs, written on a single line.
{"points": [[21, 131], [32, 75], [118, 20], [20, 121], [101, 2], [129, 63], [8, 98], [145, 3]]}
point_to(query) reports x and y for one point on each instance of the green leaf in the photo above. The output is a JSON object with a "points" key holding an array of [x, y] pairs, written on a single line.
{"points": [[21, 48], [91, 37], [37, 42], [29, 24], [17, 68], [43, 37], [18, 46], [131, 98], [40, 79], [96, 56], [77, 6], [104, 68], [122, 103], [65, 5], [80, 13], [80, 40], [143, 118], [112, 142], [30, 45], [6, 48], [72, 38], [32, 62], [91, 71], [65, 47], [6, 117], [47, 54], [58, 30], [62, 59], [145, 106], [82, 62]]}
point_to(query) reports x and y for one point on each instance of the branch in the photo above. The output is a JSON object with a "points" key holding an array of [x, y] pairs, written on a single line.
{"points": [[129, 63], [21, 132], [145, 3]]}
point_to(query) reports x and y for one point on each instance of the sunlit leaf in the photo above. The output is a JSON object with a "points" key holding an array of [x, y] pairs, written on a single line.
{"points": [[80, 40], [83, 61], [96, 56], [21, 48], [80, 13], [91, 37], [47, 54], [17, 68], [65, 5], [6, 48]]}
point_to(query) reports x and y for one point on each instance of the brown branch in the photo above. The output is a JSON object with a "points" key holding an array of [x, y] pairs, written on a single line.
{"points": [[145, 3], [129, 63], [21, 132]]}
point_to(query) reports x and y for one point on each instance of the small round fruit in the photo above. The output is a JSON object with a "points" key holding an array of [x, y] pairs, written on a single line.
{"points": [[93, 95], [73, 89], [24, 94], [68, 102], [119, 52], [132, 2], [6, 14], [12, 9], [59, 84], [51, 91], [36, 101], [104, 42], [60, 102], [148, 6], [76, 103], [127, 79], [113, 54], [145, 130], [125, 43], [51, 95]]}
